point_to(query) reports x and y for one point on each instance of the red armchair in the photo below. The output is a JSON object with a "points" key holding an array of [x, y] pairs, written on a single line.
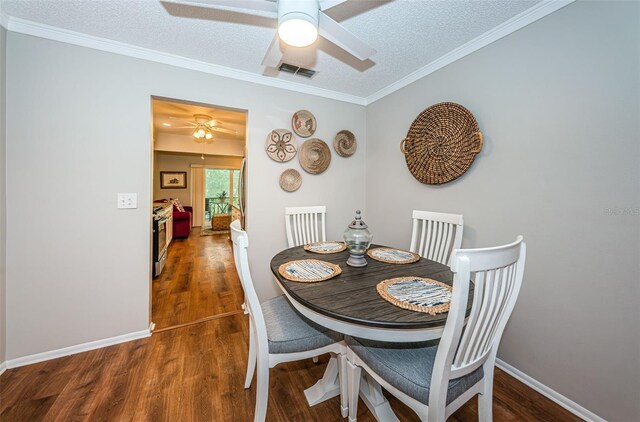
{"points": [[182, 222]]}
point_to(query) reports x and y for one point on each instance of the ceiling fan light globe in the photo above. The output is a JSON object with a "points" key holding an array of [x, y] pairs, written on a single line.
{"points": [[209, 135], [298, 32], [298, 22], [201, 132]]}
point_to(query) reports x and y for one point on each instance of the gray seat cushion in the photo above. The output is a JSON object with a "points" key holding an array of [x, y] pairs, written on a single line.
{"points": [[408, 366], [290, 332]]}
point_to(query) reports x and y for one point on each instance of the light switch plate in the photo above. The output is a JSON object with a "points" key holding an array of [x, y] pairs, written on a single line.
{"points": [[127, 200]]}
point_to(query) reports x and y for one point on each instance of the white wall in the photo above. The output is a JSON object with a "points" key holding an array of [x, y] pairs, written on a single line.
{"points": [[78, 268], [557, 102], [3, 201], [182, 162]]}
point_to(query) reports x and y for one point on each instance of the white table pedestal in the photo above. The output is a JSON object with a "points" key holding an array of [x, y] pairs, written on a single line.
{"points": [[327, 387]]}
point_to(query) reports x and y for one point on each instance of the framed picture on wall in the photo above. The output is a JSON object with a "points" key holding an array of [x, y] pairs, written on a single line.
{"points": [[173, 180]]}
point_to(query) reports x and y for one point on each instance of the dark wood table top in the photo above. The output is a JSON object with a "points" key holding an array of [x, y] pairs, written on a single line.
{"points": [[352, 295]]}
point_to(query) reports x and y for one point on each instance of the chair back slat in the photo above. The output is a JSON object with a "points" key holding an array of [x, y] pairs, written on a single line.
{"points": [[435, 235], [299, 228], [465, 346], [497, 283], [305, 225], [473, 317], [422, 237], [448, 238], [240, 241]]}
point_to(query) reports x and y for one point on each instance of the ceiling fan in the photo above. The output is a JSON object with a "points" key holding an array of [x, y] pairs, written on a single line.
{"points": [[203, 128], [299, 24]]}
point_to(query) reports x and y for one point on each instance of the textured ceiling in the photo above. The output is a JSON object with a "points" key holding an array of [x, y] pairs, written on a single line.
{"points": [[408, 35]]}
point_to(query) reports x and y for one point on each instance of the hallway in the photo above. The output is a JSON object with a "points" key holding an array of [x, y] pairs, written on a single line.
{"points": [[199, 281]]}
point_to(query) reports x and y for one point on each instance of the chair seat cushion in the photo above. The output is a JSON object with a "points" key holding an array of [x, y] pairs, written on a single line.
{"points": [[408, 366], [290, 332]]}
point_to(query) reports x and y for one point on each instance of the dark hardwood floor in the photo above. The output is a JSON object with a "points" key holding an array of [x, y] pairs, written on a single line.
{"points": [[196, 373], [198, 281]]}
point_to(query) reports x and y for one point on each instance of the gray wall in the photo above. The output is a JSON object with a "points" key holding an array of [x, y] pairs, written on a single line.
{"points": [[165, 161], [557, 102], [78, 267], [3, 197]]}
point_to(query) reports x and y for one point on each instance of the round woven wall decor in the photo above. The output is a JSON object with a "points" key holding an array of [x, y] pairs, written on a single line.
{"points": [[314, 156], [442, 143], [290, 180], [345, 143], [281, 145]]}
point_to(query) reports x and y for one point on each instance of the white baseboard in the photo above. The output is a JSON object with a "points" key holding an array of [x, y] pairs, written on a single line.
{"points": [[3, 367], [72, 350], [553, 395]]}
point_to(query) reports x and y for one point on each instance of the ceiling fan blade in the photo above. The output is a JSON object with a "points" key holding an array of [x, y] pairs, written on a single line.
{"points": [[223, 130], [183, 118], [340, 36], [181, 127], [328, 4], [274, 55], [245, 6]]}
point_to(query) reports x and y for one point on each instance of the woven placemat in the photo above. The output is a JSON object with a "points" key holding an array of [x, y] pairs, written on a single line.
{"points": [[309, 270], [393, 256], [416, 294], [325, 247]]}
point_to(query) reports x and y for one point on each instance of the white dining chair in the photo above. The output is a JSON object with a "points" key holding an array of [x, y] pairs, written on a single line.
{"points": [[435, 378], [305, 225], [278, 333], [435, 235]]}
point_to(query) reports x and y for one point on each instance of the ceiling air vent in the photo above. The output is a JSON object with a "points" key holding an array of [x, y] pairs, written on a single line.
{"points": [[300, 71]]}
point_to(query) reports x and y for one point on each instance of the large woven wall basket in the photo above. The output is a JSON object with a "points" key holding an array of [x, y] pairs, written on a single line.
{"points": [[442, 143]]}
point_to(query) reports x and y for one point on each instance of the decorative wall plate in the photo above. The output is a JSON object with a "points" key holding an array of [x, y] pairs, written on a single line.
{"points": [[416, 294], [393, 256], [308, 270], [325, 247], [314, 156], [303, 123], [281, 145], [442, 143], [290, 180], [345, 143]]}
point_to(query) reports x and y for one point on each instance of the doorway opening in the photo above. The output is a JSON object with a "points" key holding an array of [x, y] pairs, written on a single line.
{"points": [[221, 198], [198, 189]]}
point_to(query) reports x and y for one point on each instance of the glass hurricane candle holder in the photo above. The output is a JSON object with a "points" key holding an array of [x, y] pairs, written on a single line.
{"points": [[357, 237]]}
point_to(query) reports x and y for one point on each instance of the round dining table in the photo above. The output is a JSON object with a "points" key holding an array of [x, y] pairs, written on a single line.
{"points": [[350, 304]]}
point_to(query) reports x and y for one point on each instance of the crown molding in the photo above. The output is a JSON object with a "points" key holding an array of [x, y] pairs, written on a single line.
{"points": [[525, 18], [519, 21], [4, 20], [27, 27]]}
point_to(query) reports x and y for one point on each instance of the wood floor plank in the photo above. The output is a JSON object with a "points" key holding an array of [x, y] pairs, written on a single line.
{"points": [[196, 373], [198, 281]]}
